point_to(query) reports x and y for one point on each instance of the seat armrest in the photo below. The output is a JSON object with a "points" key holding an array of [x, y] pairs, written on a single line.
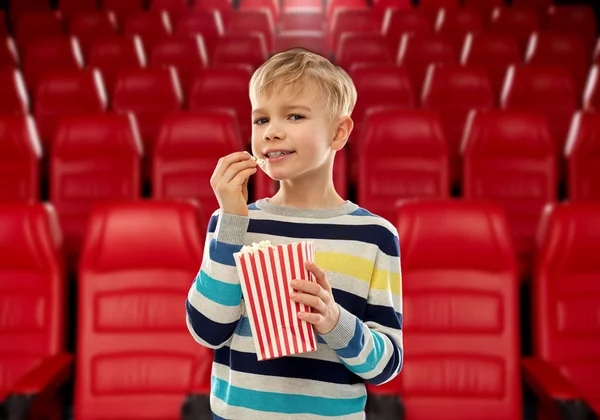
{"points": [[559, 397], [38, 386]]}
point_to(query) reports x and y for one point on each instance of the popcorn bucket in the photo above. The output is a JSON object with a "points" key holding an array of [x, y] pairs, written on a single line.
{"points": [[265, 275]]}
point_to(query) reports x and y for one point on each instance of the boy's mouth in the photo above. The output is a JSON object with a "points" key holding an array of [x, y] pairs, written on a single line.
{"points": [[278, 153]]}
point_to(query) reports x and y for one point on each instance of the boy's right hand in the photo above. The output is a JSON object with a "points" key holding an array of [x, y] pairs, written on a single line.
{"points": [[230, 182]]}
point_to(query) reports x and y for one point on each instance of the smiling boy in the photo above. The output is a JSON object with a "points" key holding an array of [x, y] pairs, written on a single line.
{"points": [[301, 108]]}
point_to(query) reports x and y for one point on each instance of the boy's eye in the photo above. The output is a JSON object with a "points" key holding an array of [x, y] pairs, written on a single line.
{"points": [[260, 121], [296, 117]]}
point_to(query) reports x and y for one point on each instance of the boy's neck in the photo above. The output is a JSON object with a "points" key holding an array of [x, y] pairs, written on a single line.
{"points": [[307, 194]]}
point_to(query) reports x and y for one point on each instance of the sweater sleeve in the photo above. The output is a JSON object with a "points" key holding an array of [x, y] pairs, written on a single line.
{"points": [[213, 303], [372, 348]]}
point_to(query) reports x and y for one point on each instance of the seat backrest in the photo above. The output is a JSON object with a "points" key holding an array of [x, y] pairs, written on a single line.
{"points": [[223, 8], [32, 289], [333, 5], [591, 94], [547, 90], [3, 26], [186, 53], [439, 4], [565, 294], [135, 358], [454, 25], [15, 100], [315, 41], [95, 158], [9, 57], [574, 19], [50, 54], [189, 144], [403, 155], [457, 261], [123, 8], [152, 26], [583, 157], [245, 21], [30, 26], [225, 87], [176, 8], [115, 53], [65, 93], [271, 5], [417, 52], [70, 8], [207, 23], [301, 19], [519, 22], [399, 22], [149, 94], [484, 6], [20, 154], [247, 49], [357, 47], [90, 26], [509, 158], [493, 52], [561, 49], [351, 20]]}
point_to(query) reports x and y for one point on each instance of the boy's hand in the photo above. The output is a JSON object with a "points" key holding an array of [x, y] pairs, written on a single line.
{"points": [[229, 181], [325, 312]]}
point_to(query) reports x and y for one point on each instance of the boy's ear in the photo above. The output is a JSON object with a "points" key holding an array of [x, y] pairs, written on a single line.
{"points": [[343, 129]]}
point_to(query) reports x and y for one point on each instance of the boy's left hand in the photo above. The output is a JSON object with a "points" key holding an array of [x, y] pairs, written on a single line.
{"points": [[318, 296]]}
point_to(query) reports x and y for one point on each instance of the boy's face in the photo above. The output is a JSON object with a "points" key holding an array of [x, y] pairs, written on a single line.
{"points": [[292, 131]]}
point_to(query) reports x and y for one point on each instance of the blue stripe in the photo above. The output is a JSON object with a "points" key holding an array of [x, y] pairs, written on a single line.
{"points": [[274, 402], [362, 212], [356, 344], [214, 333], [287, 367], [395, 363], [253, 206], [225, 294], [374, 356], [244, 330], [371, 234], [215, 417], [383, 315], [222, 252]]}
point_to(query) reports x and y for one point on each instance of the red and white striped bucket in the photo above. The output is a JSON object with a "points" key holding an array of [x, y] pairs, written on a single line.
{"points": [[265, 276]]}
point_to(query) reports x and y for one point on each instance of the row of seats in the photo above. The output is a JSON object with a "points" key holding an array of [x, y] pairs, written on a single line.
{"points": [[135, 358], [507, 157]]}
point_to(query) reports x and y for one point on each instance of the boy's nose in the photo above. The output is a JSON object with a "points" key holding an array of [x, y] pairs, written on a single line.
{"points": [[274, 133]]}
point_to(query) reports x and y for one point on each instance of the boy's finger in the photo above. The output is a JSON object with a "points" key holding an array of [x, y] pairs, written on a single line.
{"points": [[226, 161], [311, 318], [319, 274], [236, 168], [312, 288]]}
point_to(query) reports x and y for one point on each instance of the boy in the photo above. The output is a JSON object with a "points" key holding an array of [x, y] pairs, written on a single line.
{"points": [[301, 116]]}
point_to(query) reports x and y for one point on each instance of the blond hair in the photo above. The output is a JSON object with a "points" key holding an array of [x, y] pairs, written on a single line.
{"points": [[297, 65]]}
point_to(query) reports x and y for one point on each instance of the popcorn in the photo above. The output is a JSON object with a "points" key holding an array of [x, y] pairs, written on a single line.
{"points": [[261, 162], [265, 273]]}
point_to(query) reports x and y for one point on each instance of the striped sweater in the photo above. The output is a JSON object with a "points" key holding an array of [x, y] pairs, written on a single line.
{"points": [[361, 257]]}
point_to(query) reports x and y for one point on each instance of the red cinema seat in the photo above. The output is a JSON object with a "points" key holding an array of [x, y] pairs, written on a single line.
{"points": [[20, 154], [302, 4], [562, 50], [88, 27], [225, 87], [95, 158], [416, 53], [13, 93], [224, 8], [249, 49], [565, 301], [37, 25], [400, 22], [152, 27], [175, 8], [540, 6], [188, 147], [509, 159], [71, 8], [49, 55], [454, 25], [149, 94], [351, 20], [301, 19], [333, 5], [9, 56], [315, 41], [376, 86], [63, 94], [379, 8], [486, 7], [186, 53], [123, 8], [362, 48], [247, 21], [3, 26], [517, 22], [583, 157], [545, 90], [493, 52], [574, 19], [458, 261], [132, 364], [403, 155], [206, 23], [272, 6], [591, 95], [114, 54], [453, 92], [433, 7], [33, 299]]}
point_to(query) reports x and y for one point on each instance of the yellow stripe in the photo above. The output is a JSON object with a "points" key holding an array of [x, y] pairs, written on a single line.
{"points": [[361, 269]]}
